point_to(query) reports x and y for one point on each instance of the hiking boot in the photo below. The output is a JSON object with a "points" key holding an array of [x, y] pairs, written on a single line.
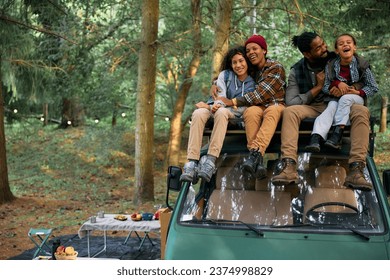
{"points": [[190, 172], [314, 145], [335, 139], [251, 163], [355, 178], [286, 173], [207, 168], [261, 171]]}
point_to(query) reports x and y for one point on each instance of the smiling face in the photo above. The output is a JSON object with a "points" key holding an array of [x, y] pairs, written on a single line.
{"points": [[345, 47], [256, 54], [318, 50], [239, 66]]}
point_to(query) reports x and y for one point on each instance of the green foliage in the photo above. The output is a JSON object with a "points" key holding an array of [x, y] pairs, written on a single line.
{"points": [[382, 150], [89, 49]]}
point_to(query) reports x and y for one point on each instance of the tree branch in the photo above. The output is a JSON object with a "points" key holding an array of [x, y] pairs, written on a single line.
{"points": [[36, 28]]}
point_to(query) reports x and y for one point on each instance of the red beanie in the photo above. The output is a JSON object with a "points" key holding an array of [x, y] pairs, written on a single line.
{"points": [[258, 39]]}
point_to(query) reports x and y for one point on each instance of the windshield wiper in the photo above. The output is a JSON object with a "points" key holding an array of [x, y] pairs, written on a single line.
{"points": [[221, 221], [355, 231]]}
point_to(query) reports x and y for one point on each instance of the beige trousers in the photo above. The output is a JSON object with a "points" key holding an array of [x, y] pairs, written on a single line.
{"points": [[198, 122], [293, 115], [360, 133], [260, 125]]}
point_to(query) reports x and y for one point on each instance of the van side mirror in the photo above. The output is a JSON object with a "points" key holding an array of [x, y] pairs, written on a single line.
{"points": [[173, 178], [386, 181], [173, 182]]}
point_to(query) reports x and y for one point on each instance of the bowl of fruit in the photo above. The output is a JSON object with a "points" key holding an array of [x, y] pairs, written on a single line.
{"points": [[65, 253], [136, 217]]}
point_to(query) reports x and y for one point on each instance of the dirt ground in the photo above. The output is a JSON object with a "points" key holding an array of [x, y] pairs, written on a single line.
{"points": [[13, 230], [61, 180]]}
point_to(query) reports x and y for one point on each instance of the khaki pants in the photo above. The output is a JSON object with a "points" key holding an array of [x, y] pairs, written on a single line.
{"points": [[198, 122], [293, 115], [360, 133], [260, 125]]}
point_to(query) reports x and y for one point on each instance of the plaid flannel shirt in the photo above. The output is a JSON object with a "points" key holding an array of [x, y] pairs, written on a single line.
{"points": [[270, 85]]}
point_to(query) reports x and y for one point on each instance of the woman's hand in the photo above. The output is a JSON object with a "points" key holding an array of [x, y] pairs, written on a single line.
{"points": [[214, 90], [202, 104], [215, 107]]}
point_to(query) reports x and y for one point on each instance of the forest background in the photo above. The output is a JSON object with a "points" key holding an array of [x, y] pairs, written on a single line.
{"points": [[98, 93]]}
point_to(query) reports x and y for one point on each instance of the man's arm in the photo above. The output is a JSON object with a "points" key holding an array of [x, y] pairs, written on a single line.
{"points": [[269, 87], [293, 95]]}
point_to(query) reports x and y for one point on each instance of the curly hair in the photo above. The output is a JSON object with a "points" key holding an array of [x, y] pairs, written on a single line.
{"points": [[227, 60]]}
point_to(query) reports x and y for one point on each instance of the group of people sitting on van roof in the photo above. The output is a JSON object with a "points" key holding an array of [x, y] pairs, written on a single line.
{"points": [[329, 86]]}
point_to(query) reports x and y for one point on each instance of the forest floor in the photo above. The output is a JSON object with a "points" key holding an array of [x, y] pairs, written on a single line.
{"points": [[62, 177]]}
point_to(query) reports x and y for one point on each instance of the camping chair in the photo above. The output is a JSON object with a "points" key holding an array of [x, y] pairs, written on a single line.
{"points": [[39, 236]]}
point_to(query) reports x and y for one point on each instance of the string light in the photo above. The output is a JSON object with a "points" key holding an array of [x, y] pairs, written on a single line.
{"points": [[123, 115], [15, 111], [69, 122]]}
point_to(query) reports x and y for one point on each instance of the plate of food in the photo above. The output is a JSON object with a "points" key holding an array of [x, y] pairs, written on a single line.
{"points": [[120, 217]]}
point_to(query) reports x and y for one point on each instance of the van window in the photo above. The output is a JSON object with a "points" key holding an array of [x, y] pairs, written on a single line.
{"points": [[319, 202]]}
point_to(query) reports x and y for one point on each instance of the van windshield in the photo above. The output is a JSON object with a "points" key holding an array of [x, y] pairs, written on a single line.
{"points": [[319, 199]]}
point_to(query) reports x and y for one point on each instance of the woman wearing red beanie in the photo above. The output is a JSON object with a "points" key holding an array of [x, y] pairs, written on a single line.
{"points": [[266, 104]]}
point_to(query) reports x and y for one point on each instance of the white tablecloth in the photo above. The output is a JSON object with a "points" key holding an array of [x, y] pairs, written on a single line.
{"points": [[109, 223]]}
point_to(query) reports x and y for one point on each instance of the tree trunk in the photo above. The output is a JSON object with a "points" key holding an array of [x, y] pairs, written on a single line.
{"points": [[222, 31], [45, 109], [72, 113], [5, 191], [383, 120], [173, 153], [144, 134]]}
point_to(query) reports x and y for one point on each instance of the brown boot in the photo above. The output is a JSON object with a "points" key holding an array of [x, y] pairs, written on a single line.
{"points": [[286, 174], [355, 178]]}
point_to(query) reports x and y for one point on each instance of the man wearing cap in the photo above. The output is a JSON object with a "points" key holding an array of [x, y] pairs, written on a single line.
{"points": [[262, 119]]}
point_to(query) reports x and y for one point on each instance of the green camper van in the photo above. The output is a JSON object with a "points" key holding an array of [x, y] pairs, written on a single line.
{"points": [[235, 216]]}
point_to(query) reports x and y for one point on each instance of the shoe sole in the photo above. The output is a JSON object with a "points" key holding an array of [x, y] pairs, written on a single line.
{"points": [[284, 182], [331, 145], [358, 187], [249, 169], [186, 178], [261, 173], [312, 149], [192, 180], [205, 176]]}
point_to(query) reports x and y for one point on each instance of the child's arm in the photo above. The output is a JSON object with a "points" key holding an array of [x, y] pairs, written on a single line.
{"points": [[370, 87]]}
